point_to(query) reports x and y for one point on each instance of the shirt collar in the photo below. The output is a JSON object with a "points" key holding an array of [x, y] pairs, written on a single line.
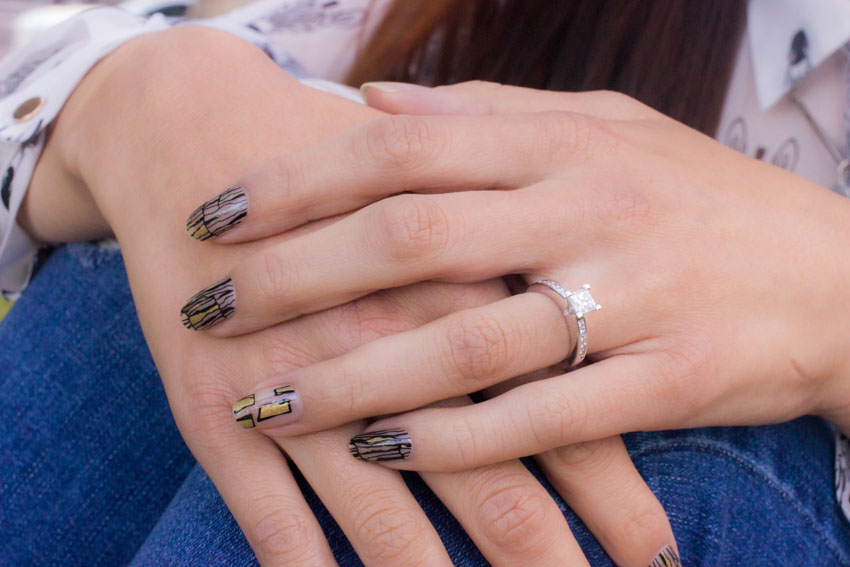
{"points": [[788, 38]]}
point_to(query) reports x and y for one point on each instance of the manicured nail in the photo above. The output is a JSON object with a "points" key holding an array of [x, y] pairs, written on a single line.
{"points": [[218, 215], [667, 557], [389, 87], [209, 306], [282, 402], [383, 445]]}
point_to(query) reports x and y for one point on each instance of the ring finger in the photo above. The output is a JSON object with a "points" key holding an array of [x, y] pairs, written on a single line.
{"points": [[460, 353]]}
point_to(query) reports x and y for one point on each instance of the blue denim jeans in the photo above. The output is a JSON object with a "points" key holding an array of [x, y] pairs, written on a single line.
{"points": [[93, 470]]}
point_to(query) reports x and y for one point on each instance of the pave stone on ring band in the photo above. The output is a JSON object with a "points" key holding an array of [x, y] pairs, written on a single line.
{"points": [[579, 303]]}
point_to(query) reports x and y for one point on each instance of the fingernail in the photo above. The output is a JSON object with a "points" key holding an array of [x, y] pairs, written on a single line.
{"points": [[667, 557], [389, 87], [282, 402], [383, 445], [209, 306], [218, 215]]}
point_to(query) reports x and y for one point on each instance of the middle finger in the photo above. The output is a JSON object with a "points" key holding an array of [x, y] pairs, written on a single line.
{"points": [[458, 237]]}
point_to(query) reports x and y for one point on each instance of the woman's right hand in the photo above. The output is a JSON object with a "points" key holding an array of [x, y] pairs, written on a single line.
{"points": [[226, 107]]}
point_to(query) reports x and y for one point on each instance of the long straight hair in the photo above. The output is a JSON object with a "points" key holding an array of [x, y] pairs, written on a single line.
{"points": [[674, 55]]}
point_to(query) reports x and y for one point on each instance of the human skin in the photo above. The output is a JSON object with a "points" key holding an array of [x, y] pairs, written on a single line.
{"points": [[723, 279], [139, 144]]}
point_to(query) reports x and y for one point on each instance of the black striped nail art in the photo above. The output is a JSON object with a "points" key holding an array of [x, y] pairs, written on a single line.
{"points": [[667, 557], [218, 215], [209, 306], [383, 445]]}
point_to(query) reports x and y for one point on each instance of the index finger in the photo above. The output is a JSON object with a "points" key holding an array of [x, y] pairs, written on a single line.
{"points": [[483, 97], [389, 155]]}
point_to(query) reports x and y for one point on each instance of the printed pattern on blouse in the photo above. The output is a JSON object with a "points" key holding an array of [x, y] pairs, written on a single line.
{"points": [[55, 61]]}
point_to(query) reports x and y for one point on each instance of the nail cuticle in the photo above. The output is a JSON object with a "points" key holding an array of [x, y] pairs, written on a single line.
{"points": [[218, 215], [382, 445]]}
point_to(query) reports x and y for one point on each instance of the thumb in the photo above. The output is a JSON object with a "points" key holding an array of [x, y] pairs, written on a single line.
{"points": [[473, 97], [482, 97]]}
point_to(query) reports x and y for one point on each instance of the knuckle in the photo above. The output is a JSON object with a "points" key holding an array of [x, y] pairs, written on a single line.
{"points": [[683, 373], [405, 143], [350, 395], [280, 535], [387, 532], [464, 436], [556, 417], [512, 515], [411, 228], [641, 521], [273, 279], [204, 410], [370, 318], [279, 351], [283, 173], [478, 347], [590, 458], [564, 135]]}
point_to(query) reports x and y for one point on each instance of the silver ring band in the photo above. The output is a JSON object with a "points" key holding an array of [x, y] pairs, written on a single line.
{"points": [[579, 303]]}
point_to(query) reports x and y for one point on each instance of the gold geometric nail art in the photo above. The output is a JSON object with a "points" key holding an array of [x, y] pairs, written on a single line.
{"points": [[246, 421], [274, 409], [667, 557], [218, 215], [245, 402], [209, 306], [282, 402]]}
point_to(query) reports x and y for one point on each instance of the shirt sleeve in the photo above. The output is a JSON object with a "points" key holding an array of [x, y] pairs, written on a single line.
{"points": [[36, 81]]}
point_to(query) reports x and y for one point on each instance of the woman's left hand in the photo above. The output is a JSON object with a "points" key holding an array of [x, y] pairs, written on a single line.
{"points": [[723, 280]]}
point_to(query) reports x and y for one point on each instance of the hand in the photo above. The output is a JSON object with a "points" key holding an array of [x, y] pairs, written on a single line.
{"points": [[718, 274], [140, 184]]}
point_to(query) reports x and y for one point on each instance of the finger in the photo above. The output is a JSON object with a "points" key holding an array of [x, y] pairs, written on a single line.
{"points": [[372, 505], [461, 353], [399, 241], [333, 332], [386, 156], [600, 400], [481, 98], [600, 483], [255, 482], [507, 513]]}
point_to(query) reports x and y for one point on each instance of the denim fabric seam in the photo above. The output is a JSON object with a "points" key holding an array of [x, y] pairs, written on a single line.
{"points": [[707, 446]]}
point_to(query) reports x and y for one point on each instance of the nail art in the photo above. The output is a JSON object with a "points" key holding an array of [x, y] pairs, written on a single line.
{"points": [[667, 557], [383, 445], [282, 402], [209, 306], [218, 215]]}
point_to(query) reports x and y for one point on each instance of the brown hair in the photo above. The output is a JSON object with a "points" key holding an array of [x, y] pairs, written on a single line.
{"points": [[674, 55]]}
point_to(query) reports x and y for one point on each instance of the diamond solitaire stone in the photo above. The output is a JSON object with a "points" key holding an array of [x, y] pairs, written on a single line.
{"points": [[582, 302], [579, 303]]}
